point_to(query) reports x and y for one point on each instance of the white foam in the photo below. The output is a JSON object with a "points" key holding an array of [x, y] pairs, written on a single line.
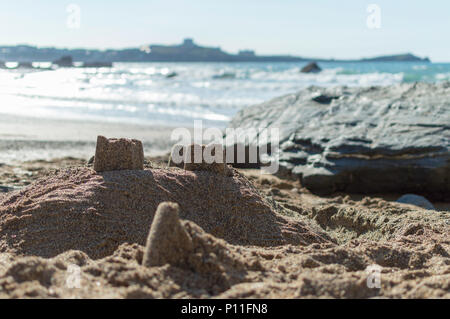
{"points": [[139, 92]]}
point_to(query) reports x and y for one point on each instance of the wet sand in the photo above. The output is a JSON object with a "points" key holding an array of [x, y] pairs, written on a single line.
{"points": [[28, 138]]}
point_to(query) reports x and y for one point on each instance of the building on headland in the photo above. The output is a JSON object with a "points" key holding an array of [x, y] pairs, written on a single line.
{"points": [[247, 53], [188, 43], [187, 51]]}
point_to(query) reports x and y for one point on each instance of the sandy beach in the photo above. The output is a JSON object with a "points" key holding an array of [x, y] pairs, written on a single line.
{"points": [[318, 247], [337, 220], [30, 138], [223, 154]]}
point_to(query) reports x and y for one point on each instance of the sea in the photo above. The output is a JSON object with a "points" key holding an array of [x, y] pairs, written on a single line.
{"points": [[176, 94]]}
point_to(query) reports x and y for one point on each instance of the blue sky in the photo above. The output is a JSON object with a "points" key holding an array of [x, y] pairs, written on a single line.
{"points": [[321, 28]]}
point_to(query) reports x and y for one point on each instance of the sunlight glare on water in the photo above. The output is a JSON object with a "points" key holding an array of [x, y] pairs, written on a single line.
{"points": [[175, 94]]}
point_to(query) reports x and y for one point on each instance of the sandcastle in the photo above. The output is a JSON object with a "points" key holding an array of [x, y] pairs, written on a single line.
{"points": [[127, 154], [95, 213], [81, 209], [200, 158], [118, 154], [183, 244], [167, 242]]}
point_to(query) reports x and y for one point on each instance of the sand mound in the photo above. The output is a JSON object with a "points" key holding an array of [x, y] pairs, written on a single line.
{"points": [[82, 220], [206, 266], [408, 269], [95, 213]]}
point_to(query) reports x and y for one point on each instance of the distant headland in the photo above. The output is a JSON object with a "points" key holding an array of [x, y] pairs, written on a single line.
{"points": [[188, 51]]}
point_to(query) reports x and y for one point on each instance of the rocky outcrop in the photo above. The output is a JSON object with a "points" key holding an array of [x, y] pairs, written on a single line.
{"points": [[25, 65], [362, 140], [171, 75], [311, 67], [64, 62], [416, 200], [5, 189], [97, 65]]}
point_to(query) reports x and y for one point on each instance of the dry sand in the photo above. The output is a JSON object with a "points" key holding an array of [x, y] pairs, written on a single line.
{"points": [[252, 236]]}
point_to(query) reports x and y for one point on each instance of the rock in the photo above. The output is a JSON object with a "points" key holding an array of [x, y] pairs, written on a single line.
{"points": [[324, 99], [5, 189], [97, 65], [25, 65], [311, 67], [275, 191], [283, 185], [64, 62], [224, 76], [168, 242], [361, 140], [171, 75], [118, 154], [416, 200]]}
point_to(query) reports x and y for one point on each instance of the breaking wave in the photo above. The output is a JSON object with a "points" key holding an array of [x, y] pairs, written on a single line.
{"points": [[177, 93]]}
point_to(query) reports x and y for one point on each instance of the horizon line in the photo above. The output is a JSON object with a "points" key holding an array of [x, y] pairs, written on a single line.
{"points": [[263, 54]]}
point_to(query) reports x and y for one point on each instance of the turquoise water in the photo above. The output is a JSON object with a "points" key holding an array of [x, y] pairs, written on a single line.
{"points": [[410, 71], [213, 92]]}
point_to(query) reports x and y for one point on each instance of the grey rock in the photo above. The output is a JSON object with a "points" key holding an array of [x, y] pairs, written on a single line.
{"points": [[416, 200], [311, 67], [5, 189], [25, 65], [362, 140], [64, 62], [97, 64], [171, 75], [224, 76]]}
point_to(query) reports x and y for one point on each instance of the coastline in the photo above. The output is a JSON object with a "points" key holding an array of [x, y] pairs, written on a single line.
{"points": [[347, 234]]}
